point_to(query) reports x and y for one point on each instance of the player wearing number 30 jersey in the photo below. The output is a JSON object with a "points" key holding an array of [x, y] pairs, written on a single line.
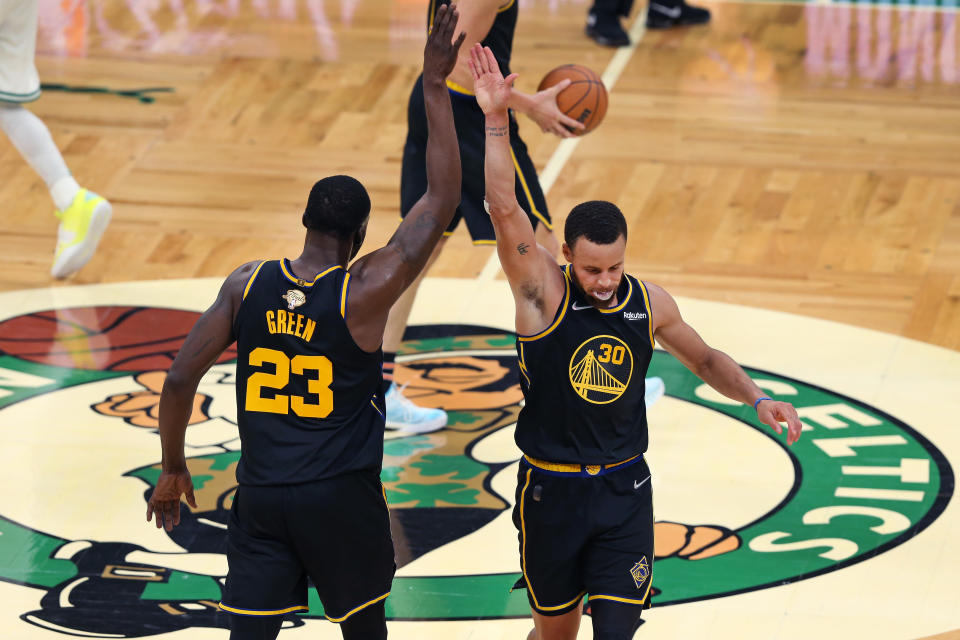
{"points": [[309, 395]]}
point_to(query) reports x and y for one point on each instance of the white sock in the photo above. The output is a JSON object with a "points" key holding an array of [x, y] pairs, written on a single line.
{"points": [[34, 142]]}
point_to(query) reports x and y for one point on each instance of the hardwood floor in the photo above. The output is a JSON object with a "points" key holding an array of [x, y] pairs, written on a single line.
{"points": [[803, 158]]}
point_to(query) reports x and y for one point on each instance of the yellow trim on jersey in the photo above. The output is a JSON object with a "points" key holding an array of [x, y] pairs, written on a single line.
{"points": [[526, 375], [526, 190], [558, 319], [456, 88], [363, 606], [374, 405], [619, 599], [485, 242], [263, 612], [343, 294], [433, 11], [626, 299], [506, 6], [523, 366], [294, 279], [617, 464], [646, 303], [566, 467], [253, 277]]}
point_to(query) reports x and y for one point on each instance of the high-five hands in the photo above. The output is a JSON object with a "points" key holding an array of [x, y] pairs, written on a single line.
{"points": [[492, 89], [440, 52]]}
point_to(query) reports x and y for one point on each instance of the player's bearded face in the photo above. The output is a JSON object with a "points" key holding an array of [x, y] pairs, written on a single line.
{"points": [[598, 268]]}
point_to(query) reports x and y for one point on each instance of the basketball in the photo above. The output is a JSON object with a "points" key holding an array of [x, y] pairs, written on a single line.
{"points": [[585, 100]]}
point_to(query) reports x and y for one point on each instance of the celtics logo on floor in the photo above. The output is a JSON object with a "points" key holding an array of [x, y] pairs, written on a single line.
{"points": [[79, 402]]}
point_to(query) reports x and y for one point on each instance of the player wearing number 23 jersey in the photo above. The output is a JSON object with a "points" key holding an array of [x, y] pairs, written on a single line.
{"points": [[309, 399], [309, 504]]}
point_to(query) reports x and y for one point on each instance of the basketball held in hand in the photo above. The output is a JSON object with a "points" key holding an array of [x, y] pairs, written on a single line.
{"points": [[584, 100]]}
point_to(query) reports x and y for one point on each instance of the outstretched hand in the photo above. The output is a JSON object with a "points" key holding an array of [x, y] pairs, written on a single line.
{"points": [[772, 412], [165, 500], [489, 85], [440, 52]]}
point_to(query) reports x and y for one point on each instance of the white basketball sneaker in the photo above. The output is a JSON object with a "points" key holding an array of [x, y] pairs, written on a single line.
{"points": [[404, 415]]}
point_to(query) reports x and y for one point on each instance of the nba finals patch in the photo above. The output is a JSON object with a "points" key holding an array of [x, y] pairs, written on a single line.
{"points": [[294, 298]]}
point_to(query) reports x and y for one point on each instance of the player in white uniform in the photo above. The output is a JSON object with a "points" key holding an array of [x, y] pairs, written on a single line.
{"points": [[83, 214]]}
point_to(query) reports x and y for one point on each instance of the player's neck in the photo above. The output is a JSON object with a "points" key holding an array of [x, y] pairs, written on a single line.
{"points": [[320, 251]]}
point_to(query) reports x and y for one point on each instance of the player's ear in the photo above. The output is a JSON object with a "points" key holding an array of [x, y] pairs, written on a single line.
{"points": [[567, 252], [358, 239]]}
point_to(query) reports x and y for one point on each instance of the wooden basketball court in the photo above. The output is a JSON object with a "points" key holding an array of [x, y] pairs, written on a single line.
{"points": [[791, 172]]}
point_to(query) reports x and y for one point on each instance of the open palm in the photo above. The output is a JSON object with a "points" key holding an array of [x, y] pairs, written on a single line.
{"points": [[489, 85]]}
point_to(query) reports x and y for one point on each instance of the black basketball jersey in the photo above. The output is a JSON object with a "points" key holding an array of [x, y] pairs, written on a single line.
{"points": [[309, 400], [500, 36], [583, 379]]}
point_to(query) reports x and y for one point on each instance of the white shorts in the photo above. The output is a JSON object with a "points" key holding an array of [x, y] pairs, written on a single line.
{"points": [[19, 81]]}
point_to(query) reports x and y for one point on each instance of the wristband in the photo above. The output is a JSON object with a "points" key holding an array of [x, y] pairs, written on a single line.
{"points": [[759, 400]]}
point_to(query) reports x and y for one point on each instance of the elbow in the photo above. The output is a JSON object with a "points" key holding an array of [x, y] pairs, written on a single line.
{"points": [[179, 381], [705, 365], [444, 197], [501, 210]]}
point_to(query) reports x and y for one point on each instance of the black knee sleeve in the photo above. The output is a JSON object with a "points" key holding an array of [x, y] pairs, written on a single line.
{"points": [[368, 624], [255, 627], [614, 620]]}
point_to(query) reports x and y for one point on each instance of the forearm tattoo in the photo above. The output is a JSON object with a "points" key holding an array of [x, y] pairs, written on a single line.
{"points": [[497, 132], [522, 248]]}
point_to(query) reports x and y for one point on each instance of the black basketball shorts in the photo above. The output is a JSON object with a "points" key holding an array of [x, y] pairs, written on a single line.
{"points": [[334, 531], [471, 135], [585, 532]]}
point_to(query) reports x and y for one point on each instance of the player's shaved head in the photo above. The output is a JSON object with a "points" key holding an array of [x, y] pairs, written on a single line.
{"points": [[337, 205], [599, 221]]}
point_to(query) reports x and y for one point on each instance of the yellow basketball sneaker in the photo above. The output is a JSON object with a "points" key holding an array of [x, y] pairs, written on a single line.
{"points": [[81, 226]]}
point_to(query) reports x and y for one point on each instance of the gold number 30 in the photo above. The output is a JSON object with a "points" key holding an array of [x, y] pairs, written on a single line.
{"points": [[318, 386], [612, 353]]}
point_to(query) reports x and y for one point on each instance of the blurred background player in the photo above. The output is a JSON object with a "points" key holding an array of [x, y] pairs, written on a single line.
{"points": [[83, 214], [603, 19], [491, 22]]}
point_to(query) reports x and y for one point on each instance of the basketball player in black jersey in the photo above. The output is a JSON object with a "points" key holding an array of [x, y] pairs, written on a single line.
{"points": [[493, 23], [585, 338], [310, 395]]}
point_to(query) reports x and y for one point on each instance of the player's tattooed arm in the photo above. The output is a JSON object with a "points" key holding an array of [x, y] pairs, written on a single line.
{"points": [[713, 366], [207, 340], [378, 279], [535, 279]]}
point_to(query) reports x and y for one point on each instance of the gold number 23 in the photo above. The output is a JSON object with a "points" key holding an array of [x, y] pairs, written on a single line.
{"points": [[319, 386]]}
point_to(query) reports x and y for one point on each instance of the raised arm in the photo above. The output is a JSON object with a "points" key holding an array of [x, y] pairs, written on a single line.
{"points": [[715, 367], [534, 277], [207, 340], [378, 279]]}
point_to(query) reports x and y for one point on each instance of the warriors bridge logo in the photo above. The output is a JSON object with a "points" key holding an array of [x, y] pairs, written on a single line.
{"points": [[79, 396]]}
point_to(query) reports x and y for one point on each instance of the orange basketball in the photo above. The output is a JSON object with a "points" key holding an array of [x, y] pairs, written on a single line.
{"points": [[585, 100]]}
